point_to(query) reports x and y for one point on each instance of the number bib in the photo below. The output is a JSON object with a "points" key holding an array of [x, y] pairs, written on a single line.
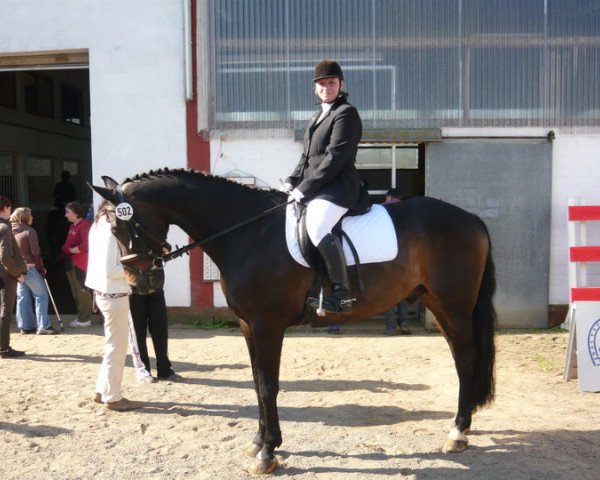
{"points": [[124, 211]]}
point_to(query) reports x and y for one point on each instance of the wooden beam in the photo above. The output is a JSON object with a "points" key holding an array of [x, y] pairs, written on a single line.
{"points": [[35, 59]]}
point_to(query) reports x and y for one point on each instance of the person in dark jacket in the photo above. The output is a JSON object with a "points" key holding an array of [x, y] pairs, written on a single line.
{"points": [[326, 179], [12, 271]]}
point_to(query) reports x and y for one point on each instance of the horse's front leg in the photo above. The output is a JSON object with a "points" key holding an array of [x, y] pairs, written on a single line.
{"points": [[257, 442], [267, 343]]}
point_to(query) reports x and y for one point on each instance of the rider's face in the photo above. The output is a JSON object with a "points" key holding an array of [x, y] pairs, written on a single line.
{"points": [[328, 89]]}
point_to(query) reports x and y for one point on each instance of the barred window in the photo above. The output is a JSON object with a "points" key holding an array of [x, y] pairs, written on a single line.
{"points": [[39, 179], [408, 63]]}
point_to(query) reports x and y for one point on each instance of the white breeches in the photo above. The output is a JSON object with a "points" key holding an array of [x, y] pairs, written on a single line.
{"points": [[321, 217], [116, 331]]}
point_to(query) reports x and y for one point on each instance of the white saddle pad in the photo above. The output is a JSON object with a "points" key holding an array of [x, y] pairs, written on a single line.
{"points": [[372, 234]]}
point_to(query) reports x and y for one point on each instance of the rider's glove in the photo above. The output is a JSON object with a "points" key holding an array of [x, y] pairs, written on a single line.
{"points": [[297, 194], [286, 187]]}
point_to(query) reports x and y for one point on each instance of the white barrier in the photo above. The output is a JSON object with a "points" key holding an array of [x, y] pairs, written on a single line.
{"points": [[583, 351]]}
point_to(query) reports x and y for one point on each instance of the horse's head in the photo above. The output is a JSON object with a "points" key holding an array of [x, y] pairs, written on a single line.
{"points": [[141, 233]]}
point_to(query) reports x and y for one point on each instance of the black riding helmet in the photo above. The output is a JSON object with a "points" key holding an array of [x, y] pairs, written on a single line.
{"points": [[328, 69]]}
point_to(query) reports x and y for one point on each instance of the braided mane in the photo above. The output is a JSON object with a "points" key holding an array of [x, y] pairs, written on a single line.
{"points": [[270, 193]]}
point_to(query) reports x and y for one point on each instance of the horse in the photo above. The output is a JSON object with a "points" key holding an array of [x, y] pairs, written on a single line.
{"points": [[444, 259]]}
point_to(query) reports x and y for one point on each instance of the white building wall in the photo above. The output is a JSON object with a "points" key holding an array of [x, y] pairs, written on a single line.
{"points": [[575, 173], [137, 100], [267, 160]]}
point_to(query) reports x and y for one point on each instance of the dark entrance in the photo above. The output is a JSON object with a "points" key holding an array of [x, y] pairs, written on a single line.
{"points": [[45, 130]]}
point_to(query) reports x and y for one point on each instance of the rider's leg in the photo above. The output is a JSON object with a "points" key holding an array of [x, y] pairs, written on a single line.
{"points": [[321, 217]]}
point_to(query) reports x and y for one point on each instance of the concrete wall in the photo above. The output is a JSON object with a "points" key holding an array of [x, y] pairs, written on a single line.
{"points": [[137, 99]]}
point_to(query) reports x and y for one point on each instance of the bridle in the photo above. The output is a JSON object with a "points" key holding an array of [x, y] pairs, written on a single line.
{"points": [[137, 245]]}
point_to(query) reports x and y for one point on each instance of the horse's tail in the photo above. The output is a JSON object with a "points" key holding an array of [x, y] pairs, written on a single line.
{"points": [[484, 322]]}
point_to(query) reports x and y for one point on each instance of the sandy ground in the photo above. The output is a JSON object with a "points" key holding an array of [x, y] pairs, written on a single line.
{"points": [[354, 406]]}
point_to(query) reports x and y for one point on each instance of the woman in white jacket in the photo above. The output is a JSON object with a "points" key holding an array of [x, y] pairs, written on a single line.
{"points": [[106, 277]]}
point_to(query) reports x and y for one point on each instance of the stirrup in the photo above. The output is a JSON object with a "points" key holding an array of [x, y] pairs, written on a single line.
{"points": [[324, 307]]}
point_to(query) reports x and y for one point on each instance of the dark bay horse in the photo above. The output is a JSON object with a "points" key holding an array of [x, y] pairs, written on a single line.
{"points": [[444, 259]]}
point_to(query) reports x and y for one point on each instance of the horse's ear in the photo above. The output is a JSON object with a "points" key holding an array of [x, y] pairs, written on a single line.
{"points": [[106, 193], [109, 182]]}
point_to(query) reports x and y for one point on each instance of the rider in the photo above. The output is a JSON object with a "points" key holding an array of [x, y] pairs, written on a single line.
{"points": [[326, 179]]}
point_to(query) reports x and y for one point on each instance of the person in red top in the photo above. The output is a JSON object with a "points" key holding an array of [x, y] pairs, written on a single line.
{"points": [[75, 250]]}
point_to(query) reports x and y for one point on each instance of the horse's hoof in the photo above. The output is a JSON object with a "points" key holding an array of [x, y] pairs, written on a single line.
{"points": [[454, 446], [263, 467], [252, 449]]}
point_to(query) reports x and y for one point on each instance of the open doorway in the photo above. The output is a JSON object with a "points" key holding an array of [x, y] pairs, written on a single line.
{"points": [[392, 165], [401, 166], [44, 132]]}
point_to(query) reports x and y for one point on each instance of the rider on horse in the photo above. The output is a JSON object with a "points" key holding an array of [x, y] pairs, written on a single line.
{"points": [[326, 179]]}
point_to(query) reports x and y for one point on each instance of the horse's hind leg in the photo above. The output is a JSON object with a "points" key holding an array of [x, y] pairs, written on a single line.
{"points": [[458, 333]]}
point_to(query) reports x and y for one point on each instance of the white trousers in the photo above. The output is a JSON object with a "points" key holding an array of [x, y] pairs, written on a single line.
{"points": [[321, 217], [116, 334]]}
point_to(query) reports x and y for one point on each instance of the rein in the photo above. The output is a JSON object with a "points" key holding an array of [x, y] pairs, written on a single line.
{"points": [[182, 250]]}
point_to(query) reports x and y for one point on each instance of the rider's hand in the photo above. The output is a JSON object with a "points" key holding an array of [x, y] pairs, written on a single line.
{"points": [[297, 195], [286, 187]]}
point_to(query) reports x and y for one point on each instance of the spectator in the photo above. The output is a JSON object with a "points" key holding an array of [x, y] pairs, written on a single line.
{"points": [[106, 278], [56, 229], [33, 289], [149, 314], [12, 271], [75, 249], [64, 191]]}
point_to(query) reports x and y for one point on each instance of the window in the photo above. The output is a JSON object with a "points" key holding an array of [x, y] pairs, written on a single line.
{"points": [[39, 179], [39, 95], [384, 166], [8, 90], [71, 104], [8, 186], [407, 63]]}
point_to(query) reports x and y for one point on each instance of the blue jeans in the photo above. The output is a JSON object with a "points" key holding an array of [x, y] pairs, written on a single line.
{"points": [[32, 289]]}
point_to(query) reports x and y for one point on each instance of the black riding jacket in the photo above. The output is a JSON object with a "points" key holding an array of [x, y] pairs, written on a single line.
{"points": [[327, 167]]}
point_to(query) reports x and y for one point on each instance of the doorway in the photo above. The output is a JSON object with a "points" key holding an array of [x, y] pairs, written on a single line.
{"points": [[392, 165], [45, 131]]}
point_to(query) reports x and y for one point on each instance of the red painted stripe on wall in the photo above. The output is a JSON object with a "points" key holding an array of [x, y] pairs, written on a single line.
{"points": [[198, 158]]}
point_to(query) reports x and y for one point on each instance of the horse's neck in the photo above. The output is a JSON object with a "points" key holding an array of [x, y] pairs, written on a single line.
{"points": [[204, 207]]}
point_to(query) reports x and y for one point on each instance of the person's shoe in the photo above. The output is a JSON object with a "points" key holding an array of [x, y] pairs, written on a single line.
{"points": [[123, 405], [27, 331], [78, 324], [148, 379], [174, 377], [47, 331], [333, 330], [97, 398], [391, 331], [405, 330], [11, 353]]}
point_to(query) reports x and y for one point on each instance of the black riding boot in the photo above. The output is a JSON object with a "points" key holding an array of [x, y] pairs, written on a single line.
{"points": [[332, 252]]}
